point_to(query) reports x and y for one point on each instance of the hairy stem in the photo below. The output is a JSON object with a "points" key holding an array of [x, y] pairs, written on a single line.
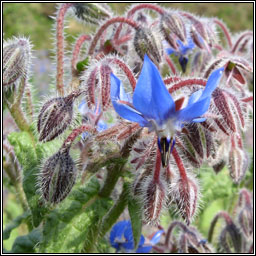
{"points": [[60, 47], [225, 31], [105, 26]]}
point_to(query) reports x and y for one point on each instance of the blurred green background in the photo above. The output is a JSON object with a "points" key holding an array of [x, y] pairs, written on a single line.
{"points": [[33, 19]]}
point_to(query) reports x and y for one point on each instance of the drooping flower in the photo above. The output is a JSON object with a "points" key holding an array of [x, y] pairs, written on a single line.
{"points": [[121, 238], [182, 51], [152, 105]]}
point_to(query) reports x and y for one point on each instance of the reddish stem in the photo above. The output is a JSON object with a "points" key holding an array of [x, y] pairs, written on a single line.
{"points": [[72, 136], [245, 34], [180, 165], [222, 214], [170, 63], [125, 69], [77, 49], [249, 99], [225, 31], [107, 24], [171, 79], [187, 82], [145, 6], [157, 166], [246, 195], [60, 47]]}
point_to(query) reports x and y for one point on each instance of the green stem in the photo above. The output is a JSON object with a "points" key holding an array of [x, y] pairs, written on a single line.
{"points": [[107, 222], [114, 170]]}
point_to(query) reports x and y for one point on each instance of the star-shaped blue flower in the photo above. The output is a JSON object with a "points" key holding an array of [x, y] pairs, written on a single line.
{"points": [[152, 105], [183, 50], [121, 238]]}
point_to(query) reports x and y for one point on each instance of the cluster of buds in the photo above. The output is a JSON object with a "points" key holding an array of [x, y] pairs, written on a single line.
{"points": [[237, 233], [184, 121]]}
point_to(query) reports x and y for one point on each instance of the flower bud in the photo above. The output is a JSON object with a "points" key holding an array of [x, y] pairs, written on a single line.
{"points": [[185, 193], [16, 56], [57, 177], [54, 117], [105, 72], [145, 42], [154, 197], [173, 28], [91, 12]]}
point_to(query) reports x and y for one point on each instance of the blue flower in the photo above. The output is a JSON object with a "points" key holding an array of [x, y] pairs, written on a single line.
{"points": [[121, 238], [183, 50], [152, 105], [93, 117]]}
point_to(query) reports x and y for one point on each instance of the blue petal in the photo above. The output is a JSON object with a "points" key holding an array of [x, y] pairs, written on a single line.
{"points": [[195, 96], [117, 93], [170, 51], [142, 240], [102, 126], [212, 82], [144, 249], [184, 48], [156, 238], [194, 110], [199, 120], [117, 232], [199, 101], [151, 96]]}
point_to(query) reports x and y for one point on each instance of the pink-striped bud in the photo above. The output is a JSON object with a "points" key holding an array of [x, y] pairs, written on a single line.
{"points": [[238, 159], [57, 177], [55, 117], [173, 28], [105, 72], [147, 42], [185, 193], [154, 196]]}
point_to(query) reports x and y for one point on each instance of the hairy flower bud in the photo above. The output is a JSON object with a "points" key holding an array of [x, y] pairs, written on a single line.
{"points": [[173, 28], [105, 72], [185, 193], [54, 117], [145, 42], [154, 197], [91, 12], [57, 177], [16, 56]]}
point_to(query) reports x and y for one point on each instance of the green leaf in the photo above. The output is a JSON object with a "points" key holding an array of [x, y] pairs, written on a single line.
{"points": [[135, 212], [83, 65], [66, 228], [27, 243], [15, 223], [30, 157]]}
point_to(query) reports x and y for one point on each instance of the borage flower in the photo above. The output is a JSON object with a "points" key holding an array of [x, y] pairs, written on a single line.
{"points": [[152, 105], [182, 51], [121, 238]]}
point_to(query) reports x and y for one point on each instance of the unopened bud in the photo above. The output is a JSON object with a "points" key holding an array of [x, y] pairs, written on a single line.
{"points": [[16, 56], [154, 197], [173, 28], [145, 42], [185, 192], [54, 117], [57, 177], [91, 12]]}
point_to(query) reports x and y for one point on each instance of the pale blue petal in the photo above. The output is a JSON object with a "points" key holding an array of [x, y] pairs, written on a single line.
{"points": [[199, 120], [144, 249], [194, 110], [125, 111], [195, 96], [151, 97], [156, 238], [170, 51], [199, 101], [212, 82]]}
